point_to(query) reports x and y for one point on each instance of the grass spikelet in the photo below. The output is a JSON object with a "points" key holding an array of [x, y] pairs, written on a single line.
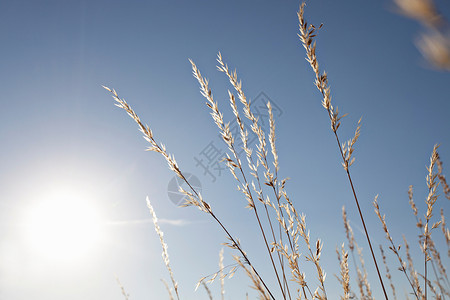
{"points": [[352, 245], [344, 279], [307, 35], [430, 201], [395, 249], [257, 177], [364, 275], [195, 199], [445, 232], [244, 184], [221, 275], [388, 273], [165, 253], [256, 282], [441, 176]]}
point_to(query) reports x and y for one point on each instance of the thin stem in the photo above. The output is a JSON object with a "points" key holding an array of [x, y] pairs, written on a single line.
{"points": [[361, 216], [307, 33], [257, 218], [238, 247], [243, 254], [148, 135], [425, 262], [273, 236]]}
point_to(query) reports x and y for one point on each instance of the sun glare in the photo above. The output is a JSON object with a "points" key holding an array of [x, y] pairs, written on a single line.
{"points": [[63, 227]]}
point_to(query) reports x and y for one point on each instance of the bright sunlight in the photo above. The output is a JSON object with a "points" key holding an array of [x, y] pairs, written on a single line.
{"points": [[63, 227]]}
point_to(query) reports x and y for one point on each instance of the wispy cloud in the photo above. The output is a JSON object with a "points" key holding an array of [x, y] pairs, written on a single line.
{"points": [[361, 230], [174, 222]]}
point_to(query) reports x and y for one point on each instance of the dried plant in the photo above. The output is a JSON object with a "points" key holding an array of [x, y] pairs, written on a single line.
{"points": [[169, 291], [445, 232], [388, 273], [234, 163], [352, 244], [413, 274], [194, 198], [283, 229], [395, 249], [290, 225], [165, 253], [430, 201], [435, 47], [364, 275], [344, 279], [221, 275], [434, 42], [122, 289], [442, 179], [431, 254], [307, 35], [423, 11], [208, 291]]}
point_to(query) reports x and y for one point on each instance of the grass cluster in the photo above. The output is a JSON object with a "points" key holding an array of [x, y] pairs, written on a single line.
{"points": [[283, 229]]}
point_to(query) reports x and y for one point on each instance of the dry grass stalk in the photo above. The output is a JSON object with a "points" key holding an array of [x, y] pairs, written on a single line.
{"points": [[208, 291], [256, 282], [435, 47], [442, 276], [232, 164], [423, 11], [388, 274], [270, 180], [432, 288], [221, 275], [361, 272], [432, 197], [290, 223], [307, 34], [442, 178], [168, 289], [122, 289], [413, 274], [349, 148], [364, 275], [352, 244], [406, 295], [194, 198], [296, 225], [435, 43], [445, 232], [419, 222], [392, 247], [420, 225], [344, 279], [314, 256], [262, 160], [165, 253], [148, 134], [348, 230]]}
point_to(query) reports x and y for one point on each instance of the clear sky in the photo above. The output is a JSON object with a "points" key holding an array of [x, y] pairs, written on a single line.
{"points": [[63, 140]]}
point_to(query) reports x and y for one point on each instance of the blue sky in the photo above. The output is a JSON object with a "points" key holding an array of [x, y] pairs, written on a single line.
{"points": [[60, 132]]}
